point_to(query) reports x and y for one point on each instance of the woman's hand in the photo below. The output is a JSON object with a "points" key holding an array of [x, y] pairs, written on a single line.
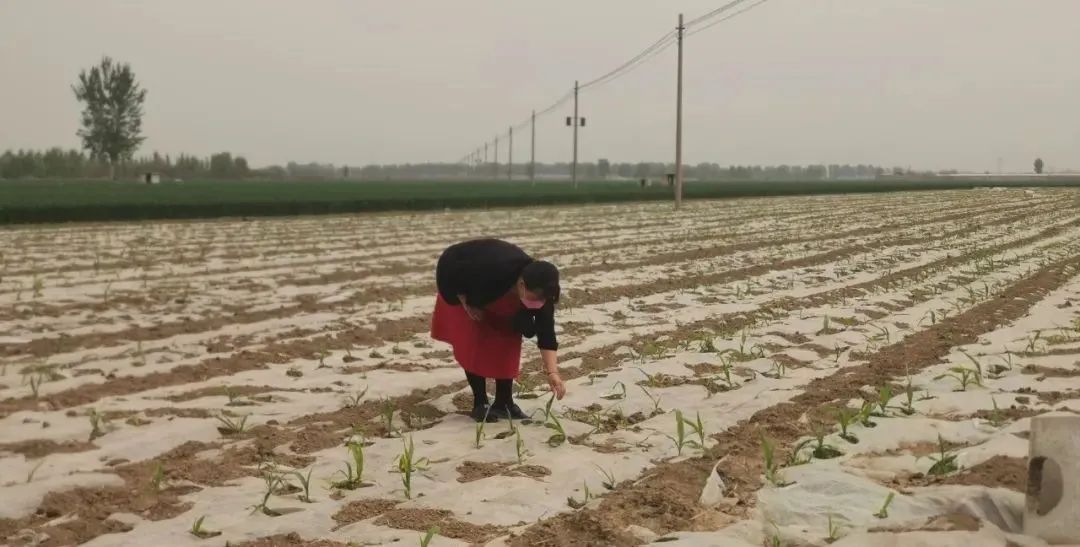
{"points": [[555, 382]]}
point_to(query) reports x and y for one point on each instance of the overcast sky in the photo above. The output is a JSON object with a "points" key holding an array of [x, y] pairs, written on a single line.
{"points": [[921, 83]]}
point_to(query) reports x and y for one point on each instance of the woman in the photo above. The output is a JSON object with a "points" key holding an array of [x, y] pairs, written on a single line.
{"points": [[491, 293]]}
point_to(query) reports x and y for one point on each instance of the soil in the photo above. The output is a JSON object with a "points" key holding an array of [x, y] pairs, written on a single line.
{"points": [[39, 448], [470, 471], [357, 511], [289, 540], [422, 520]]}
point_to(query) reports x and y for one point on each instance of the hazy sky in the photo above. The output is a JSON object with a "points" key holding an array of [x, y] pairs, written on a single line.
{"points": [[925, 83]]}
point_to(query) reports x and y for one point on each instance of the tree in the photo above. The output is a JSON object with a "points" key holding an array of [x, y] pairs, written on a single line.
{"points": [[240, 167], [221, 165], [112, 118], [1038, 166]]}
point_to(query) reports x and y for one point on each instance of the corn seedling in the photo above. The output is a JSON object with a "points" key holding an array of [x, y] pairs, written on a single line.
{"points": [[35, 384], [680, 439], [774, 539], [654, 399], [772, 467], [944, 462], [353, 401], [408, 464], [1033, 341], [480, 428], [272, 480], [834, 530], [609, 478], [559, 437], [38, 286], [96, 421], [978, 366], [354, 470], [865, 412], [158, 479], [425, 541], [845, 417], [884, 396], [322, 358], [778, 371], [997, 419], [305, 483], [884, 512], [33, 470], [909, 397], [388, 409], [824, 451], [699, 429], [519, 447], [963, 376], [231, 426], [198, 531], [796, 458], [574, 504], [618, 392]]}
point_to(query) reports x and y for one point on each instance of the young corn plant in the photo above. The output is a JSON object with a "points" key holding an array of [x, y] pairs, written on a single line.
{"points": [[480, 429], [834, 530], [796, 457], [273, 481], [519, 447], [680, 439], [353, 400], [35, 384], [305, 483], [909, 398], [559, 436], [158, 479], [884, 396], [883, 513], [354, 469], [198, 531], [33, 470], [997, 418], [655, 400], [97, 421], [388, 409], [845, 417], [824, 451], [409, 464], [964, 377], [231, 426], [609, 478], [772, 467], [574, 504], [425, 540], [618, 392], [944, 462]]}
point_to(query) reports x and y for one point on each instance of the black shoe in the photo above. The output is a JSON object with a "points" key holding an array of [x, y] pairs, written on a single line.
{"points": [[511, 411], [483, 413]]}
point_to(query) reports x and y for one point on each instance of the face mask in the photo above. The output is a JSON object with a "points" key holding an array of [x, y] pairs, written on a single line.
{"points": [[533, 304]]}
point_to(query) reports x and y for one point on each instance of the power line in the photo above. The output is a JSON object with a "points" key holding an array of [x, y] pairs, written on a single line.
{"points": [[714, 13], [732, 16], [667, 38]]}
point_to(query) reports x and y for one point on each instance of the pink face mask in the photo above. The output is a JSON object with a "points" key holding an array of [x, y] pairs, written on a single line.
{"points": [[533, 304]]}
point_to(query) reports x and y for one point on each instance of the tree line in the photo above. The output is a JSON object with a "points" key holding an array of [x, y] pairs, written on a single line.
{"points": [[57, 163]]}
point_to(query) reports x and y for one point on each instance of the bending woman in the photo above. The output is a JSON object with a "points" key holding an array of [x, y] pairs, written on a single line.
{"points": [[491, 294]]}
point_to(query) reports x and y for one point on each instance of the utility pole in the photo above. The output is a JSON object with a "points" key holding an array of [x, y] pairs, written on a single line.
{"points": [[678, 123], [510, 171], [573, 169], [495, 171], [532, 154], [485, 153]]}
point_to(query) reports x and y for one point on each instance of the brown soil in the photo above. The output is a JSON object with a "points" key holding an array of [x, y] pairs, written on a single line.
{"points": [[34, 449], [225, 391], [473, 471], [290, 540], [949, 522], [1050, 372], [997, 472], [357, 511], [423, 519]]}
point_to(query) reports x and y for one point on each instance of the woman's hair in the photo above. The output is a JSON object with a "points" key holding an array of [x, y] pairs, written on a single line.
{"points": [[543, 278]]}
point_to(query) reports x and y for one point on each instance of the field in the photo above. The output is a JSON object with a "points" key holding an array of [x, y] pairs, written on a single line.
{"points": [[64, 201], [760, 371]]}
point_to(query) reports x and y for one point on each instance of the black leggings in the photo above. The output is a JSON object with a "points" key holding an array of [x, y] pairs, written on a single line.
{"points": [[504, 391]]}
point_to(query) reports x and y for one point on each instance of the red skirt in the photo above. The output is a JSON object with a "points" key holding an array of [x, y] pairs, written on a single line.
{"points": [[490, 348]]}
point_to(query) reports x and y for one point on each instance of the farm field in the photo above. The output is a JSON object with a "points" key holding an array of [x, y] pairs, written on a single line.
{"points": [[759, 371]]}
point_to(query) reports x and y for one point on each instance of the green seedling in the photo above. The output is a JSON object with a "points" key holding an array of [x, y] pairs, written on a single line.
{"points": [[519, 446], [609, 478], [140, 354], [480, 428], [96, 423], [388, 409], [305, 483], [273, 481], [909, 397], [997, 419], [824, 451], [354, 470], [865, 412], [884, 396], [158, 479], [963, 376], [35, 384], [1033, 341], [198, 531], [425, 541], [353, 400], [778, 371], [654, 399], [33, 470], [944, 462], [795, 457], [699, 429], [38, 286], [978, 366], [774, 539], [230, 426], [884, 512], [618, 392], [834, 530], [772, 467], [547, 409], [408, 464], [680, 439], [574, 504], [559, 437], [845, 417]]}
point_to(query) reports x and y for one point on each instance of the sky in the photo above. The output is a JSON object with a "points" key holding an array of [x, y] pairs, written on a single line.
{"points": [[930, 84]]}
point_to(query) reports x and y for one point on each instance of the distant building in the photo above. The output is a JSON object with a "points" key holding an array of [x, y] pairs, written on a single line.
{"points": [[152, 178]]}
